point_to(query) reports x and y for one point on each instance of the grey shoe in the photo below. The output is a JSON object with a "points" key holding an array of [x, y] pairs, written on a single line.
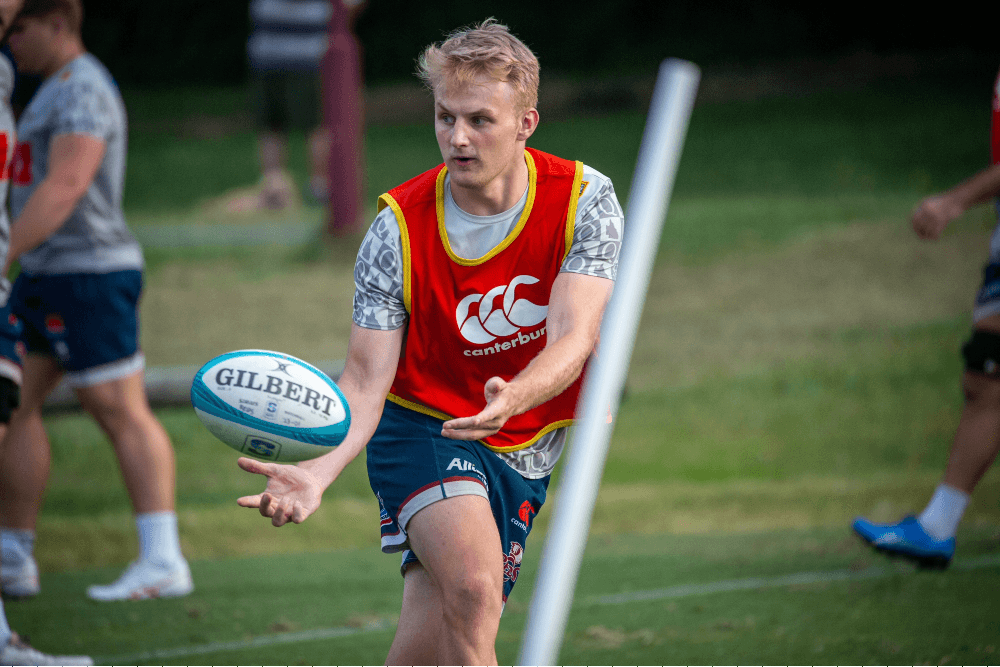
{"points": [[19, 652], [18, 573]]}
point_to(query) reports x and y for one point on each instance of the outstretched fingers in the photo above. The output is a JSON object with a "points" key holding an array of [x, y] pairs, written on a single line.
{"points": [[281, 510]]}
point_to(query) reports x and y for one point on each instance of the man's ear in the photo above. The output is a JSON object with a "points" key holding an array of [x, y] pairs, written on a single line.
{"points": [[529, 122]]}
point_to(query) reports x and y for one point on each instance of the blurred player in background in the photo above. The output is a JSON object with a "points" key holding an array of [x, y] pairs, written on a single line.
{"points": [[13, 650], [77, 297], [929, 538], [288, 50], [490, 273]]}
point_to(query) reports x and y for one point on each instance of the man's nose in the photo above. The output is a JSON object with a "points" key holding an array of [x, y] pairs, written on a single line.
{"points": [[460, 134]]}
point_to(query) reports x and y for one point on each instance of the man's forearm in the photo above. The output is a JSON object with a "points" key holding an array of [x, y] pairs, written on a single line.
{"points": [[978, 189], [48, 208], [365, 415], [551, 371]]}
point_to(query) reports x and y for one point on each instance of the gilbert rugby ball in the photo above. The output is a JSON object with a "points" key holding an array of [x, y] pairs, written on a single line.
{"points": [[270, 405]]}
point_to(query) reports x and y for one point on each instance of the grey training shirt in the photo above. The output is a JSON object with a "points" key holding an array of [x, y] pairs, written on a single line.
{"points": [[81, 98]]}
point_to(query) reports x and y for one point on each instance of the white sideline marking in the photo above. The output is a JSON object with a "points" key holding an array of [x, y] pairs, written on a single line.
{"points": [[754, 583], [257, 642], [670, 593]]}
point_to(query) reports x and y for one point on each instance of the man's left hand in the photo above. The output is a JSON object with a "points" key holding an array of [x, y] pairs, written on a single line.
{"points": [[499, 408]]}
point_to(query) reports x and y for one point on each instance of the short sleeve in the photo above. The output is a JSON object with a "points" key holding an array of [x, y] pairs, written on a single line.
{"points": [[378, 277], [82, 107], [597, 236]]}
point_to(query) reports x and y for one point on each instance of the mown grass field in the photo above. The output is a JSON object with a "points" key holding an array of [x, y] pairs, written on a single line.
{"points": [[796, 365]]}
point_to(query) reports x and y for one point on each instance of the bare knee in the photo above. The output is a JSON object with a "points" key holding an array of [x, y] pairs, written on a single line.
{"points": [[981, 390], [472, 599]]}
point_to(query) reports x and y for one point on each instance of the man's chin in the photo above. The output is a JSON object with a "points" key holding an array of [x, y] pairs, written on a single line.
{"points": [[465, 179]]}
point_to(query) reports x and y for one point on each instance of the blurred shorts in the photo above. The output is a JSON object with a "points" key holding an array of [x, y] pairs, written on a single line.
{"points": [[285, 101], [12, 349], [988, 297], [411, 465], [88, 321]]}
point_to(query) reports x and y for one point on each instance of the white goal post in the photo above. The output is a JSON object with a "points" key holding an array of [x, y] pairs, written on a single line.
{"points": [[659, 154]]}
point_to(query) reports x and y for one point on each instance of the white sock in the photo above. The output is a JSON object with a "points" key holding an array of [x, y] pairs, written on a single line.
{"points": [[158, 538], [4, 628], [943, 513], [17, 542]]}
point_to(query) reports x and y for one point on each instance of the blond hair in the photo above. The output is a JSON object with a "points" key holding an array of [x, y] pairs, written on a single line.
{"points": [[487, 49]]}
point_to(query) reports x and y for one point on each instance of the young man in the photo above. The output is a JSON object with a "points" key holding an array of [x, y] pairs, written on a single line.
{"points": [[13, 650], [77, 297], [929, 539], [490, 273]]}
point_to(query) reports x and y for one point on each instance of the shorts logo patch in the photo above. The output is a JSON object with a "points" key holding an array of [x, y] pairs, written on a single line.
{"points": [[54, 324], [464, 466], [525, 511], [383, 516], [512, 562]]}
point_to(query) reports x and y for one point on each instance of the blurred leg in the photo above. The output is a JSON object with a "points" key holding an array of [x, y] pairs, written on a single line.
{"points": [[319, 158], [277, 188], [977, 438], [25, 456], [146, 459], [143, 448]]}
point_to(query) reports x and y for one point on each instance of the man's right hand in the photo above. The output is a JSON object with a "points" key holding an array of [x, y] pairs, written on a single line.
{"points": [[933, 214], [292, 493]]}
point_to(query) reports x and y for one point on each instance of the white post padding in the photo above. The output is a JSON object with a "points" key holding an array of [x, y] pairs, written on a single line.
{"points": [[656, 168]]}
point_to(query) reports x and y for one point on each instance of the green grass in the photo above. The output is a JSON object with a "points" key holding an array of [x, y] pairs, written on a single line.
{"points": [[796, 365], [867, 621]]}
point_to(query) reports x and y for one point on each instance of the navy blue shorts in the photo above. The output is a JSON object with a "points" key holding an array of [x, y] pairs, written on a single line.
{"points": [[988, 297], [411, 465], [12, 349], [88, 321]]}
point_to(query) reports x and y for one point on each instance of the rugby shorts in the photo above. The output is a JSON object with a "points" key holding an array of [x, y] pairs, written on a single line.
{"points": [[88, 321], [411, 465], [988, 296], [11, 348]]}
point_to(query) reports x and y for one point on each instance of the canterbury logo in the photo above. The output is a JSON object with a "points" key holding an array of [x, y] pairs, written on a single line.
{"points": [[486, 323]]}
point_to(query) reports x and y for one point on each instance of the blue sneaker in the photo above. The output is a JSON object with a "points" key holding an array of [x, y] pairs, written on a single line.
{"points": [[907, 539]]}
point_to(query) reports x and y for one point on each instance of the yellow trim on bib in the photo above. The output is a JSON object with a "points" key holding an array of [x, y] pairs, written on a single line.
{"points": [[404, 242], [538, 436], [431, 412], [416, 407], [443, 232], [574, 200]]}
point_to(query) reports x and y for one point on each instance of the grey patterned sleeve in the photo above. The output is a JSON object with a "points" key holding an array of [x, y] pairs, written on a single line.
{"points": [[83, 108], [378, 277], [597, 238]]}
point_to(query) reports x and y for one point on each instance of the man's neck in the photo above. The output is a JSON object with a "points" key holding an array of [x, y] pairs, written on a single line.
{"points": [[68, 51], [497, 196]]}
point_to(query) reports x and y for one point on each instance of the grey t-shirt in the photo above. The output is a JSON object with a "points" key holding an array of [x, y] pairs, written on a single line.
{"points": [[81, 98], [378, 273], [8, 138]]}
